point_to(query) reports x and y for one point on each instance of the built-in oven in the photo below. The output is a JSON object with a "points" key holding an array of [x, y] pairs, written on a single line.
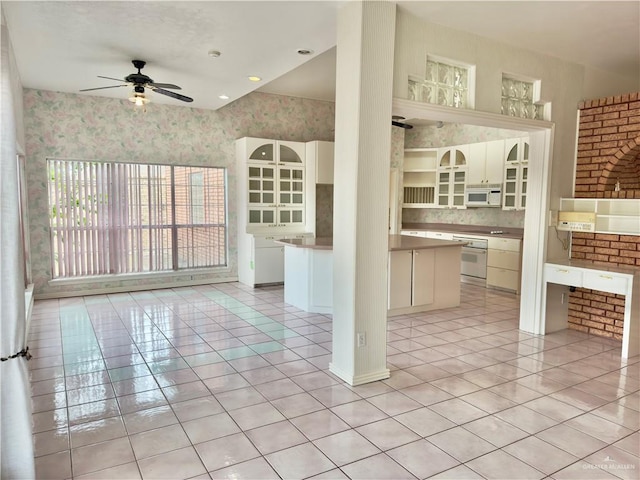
{"points": [[473, 263]]}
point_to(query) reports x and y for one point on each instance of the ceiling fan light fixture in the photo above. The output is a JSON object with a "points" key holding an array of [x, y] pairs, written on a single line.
{"points": [[139, 99]]}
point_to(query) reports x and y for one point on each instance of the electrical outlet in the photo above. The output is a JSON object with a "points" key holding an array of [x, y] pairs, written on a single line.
{"points": [[553, 218], [361, 339]]}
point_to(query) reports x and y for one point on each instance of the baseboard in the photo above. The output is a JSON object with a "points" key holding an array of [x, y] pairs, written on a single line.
{"points": [[355, 380], [133, 288]]}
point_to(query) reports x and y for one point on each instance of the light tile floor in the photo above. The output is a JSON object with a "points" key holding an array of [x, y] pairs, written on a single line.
{"points": [[224, 381]]}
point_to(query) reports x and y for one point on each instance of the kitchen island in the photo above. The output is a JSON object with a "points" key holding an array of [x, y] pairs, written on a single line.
{"points": [[423, 274]]}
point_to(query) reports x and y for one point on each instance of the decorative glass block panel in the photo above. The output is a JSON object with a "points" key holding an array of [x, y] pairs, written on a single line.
{"points": [[267, 185], [267, 198], [518, 99], [254, 198], [415, 89], [445, 96], [285, 198], [285, 216], [268, 172], [296, 174], [284, 173], [267, 216], [444, 84], [432, 71], [254, 172], [297, 216], [297, 198], [254, 184]]}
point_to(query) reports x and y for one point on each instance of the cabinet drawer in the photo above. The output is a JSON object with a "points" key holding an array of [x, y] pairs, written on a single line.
{"points": [[511, 244], [563, 275], [500, 277], [503, 259], [605, 282]]}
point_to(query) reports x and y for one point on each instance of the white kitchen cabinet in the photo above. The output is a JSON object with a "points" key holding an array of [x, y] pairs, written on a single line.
{"points": [[322, 155], [504, 260], [262, 260], [452, 176], [516, 169], [419, 177], [486, 163], [271, 203], [423, 277], [268, 261], [400, 267], [275, 182], [411, 278]]}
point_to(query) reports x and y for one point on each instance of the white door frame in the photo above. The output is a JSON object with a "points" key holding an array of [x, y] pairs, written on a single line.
{"points": [[537, 211]]}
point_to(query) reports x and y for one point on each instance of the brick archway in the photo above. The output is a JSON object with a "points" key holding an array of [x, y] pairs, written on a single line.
{"points": [[622, 167]]}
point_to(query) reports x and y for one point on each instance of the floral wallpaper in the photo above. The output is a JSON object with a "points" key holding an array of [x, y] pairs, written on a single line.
{"points": [[454, 134], [84, 127]]}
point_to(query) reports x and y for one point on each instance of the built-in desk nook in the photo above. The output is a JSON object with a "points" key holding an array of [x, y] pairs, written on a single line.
{"points": [[601, 277]]}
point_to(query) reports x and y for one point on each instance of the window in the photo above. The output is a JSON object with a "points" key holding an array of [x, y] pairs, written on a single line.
{"points": [[114, 218], [446, 83], [520, 98]]}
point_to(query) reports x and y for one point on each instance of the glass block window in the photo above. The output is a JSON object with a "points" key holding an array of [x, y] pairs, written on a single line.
{"points": [[520, 98], [446, 83]]}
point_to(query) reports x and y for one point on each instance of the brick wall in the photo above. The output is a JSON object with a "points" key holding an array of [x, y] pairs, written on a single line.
{"points": [[608, 153]]}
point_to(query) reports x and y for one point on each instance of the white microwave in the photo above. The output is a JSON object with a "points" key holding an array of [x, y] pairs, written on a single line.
{"points": [[483, 196]]}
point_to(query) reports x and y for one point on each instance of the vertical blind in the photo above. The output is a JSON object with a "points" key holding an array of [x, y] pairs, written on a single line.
{"points": [[113, 218]]}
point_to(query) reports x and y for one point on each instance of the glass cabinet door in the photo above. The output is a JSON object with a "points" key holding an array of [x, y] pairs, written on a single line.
{"points": [[445, 160], [262, 216], [262, 185], [263, 153], [290, 185], [290, 216], [459, 178], [288, 154], [443, 188]]}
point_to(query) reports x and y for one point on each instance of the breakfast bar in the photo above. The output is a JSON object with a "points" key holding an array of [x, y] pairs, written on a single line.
{"points": [[423, 274]]}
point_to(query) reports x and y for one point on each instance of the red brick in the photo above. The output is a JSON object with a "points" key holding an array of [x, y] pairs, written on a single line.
{"points": [[615, 108]]}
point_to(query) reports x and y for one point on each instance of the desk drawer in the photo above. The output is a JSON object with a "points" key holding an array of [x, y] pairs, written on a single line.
{"points": [[606, 282], [563, 275]]}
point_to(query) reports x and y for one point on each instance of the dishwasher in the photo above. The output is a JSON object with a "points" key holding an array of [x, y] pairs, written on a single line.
{"points": [[473, 265]]}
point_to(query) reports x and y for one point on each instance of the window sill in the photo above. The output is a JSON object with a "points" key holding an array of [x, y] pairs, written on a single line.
{"points": [[194, 274]]}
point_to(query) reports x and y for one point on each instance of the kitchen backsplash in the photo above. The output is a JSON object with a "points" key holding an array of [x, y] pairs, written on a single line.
{"points": [[495, 217]]}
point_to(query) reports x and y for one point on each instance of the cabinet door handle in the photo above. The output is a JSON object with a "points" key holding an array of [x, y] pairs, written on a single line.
{"points": [[562, 271], [606, 277]]}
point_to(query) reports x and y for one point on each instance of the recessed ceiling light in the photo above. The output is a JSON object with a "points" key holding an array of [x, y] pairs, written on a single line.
{"points": [[304, 51], [253, 78], [223, 97], [214, 53]]}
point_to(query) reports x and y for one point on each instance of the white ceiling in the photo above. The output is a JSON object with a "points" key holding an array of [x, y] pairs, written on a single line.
{"points": [[64, 46]]}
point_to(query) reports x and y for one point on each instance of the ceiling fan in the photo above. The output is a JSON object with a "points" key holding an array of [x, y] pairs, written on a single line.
{"points": [[396, 121], [140, 81]]}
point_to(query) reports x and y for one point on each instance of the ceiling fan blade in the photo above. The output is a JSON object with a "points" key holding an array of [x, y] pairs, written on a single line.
{"points": [[102, 88], [406, 126], [164, 85], [111, 78], [171, 94]]}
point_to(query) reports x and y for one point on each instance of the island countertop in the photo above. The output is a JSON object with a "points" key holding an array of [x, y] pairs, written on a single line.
{"points": [[396, 242]]}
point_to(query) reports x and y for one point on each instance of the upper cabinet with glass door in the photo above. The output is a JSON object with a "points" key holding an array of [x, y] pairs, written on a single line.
{"points": [[452, 172], [516, 170], [276, 182]]}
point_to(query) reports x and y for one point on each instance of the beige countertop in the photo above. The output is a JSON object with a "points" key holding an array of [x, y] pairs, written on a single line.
{"points": [[396, 242], [507, 232]]}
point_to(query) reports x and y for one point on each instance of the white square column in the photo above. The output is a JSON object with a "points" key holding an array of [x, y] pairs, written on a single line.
{"points": [[364, 90]]}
